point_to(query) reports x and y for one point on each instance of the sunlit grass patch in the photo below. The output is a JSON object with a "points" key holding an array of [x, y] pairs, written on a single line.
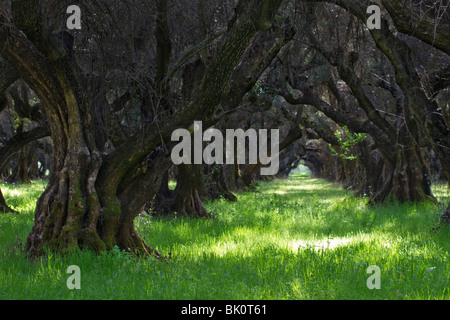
{"points": [[299, 238], [22, 197]]}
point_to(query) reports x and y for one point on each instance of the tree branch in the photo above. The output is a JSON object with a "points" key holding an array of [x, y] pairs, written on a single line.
{"points": [[434, 30], [17, 142]]}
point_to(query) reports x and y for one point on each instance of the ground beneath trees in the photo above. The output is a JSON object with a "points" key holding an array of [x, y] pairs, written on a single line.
{"points": [[299, 238]]}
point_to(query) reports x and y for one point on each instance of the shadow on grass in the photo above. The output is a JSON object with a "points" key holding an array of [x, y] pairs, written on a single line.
{"points": [[298, 208], [263, 247]]}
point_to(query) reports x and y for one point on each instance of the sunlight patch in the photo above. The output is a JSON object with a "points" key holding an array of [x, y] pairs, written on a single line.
{"points": [[321, 244], [13, 192]]}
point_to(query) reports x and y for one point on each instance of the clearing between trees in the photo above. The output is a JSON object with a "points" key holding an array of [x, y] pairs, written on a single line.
{"points": [[299, 238]]}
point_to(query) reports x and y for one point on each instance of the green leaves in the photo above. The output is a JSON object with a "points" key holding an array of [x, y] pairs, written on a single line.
{"points": [[347, 142]]}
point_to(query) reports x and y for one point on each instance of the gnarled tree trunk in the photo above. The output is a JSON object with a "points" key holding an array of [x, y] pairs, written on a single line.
{"points": [[187, 200], [216, 185], [92, 199]]}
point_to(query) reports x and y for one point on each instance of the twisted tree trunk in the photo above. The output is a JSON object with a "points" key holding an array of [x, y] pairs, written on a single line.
{"points": [[424, 110], [92, 199], [187, 201], [217, 185]]}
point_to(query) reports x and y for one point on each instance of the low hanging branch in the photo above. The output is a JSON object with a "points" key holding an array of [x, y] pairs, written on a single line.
{"points": [[13, 145]]}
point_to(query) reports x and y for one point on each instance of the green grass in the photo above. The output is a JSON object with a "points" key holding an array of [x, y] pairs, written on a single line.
{"points": [[300, 238]]}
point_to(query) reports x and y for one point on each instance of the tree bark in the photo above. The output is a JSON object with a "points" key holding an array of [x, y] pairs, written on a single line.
{"points": [[69, 215], [23, 158], [163, 202], [217, 185], [258, 57], [92, 199], [425, 111], [7, 77], [17, 142], [406, 179], [22, 167], [187, 200]]}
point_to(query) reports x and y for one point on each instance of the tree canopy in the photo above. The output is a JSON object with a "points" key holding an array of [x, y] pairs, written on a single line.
{"points": [[97, 105]]}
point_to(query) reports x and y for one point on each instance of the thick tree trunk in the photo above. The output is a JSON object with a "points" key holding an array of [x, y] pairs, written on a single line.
{"points": [[163, 202], [19, 141], [74, 212], [425, 111], [404, 178], [407, 179], [403, 181], [71, 214], [187, 200], [92, 199], [24, 157], [221, 188], [247, 176], [23, 163]]}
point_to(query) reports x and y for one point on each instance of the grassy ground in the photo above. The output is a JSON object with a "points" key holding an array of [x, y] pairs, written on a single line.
{"points": [[295, 239]]}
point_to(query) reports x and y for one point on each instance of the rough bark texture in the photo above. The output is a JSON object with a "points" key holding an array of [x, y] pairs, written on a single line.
{"points": [[257, 58], [7, 77], [12, 146], [216, 185], [187, 201], [69, 215], [424, 110], [92, 199], [429, 25]]}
